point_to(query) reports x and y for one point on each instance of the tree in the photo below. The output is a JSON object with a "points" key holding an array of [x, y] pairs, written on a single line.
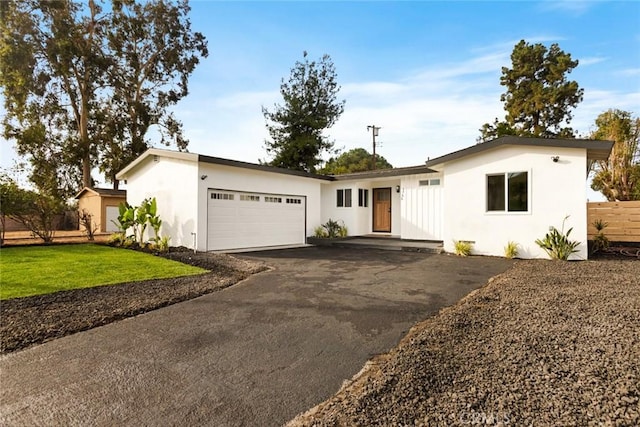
{"points": [[50, 72], [153, 52], [78, 82], [539, 97], [310, 106], [618, 177], [355, 160], [35, 211]]}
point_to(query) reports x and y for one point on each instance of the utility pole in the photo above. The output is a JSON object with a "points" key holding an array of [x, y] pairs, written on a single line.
{"points": [[374, 133]]}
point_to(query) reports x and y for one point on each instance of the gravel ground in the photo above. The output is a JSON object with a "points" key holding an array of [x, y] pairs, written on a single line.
{"points": [[32, 320], [545, 343]]}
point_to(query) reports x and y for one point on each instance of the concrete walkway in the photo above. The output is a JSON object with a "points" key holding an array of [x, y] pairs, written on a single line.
{"points": [[257, 353]]}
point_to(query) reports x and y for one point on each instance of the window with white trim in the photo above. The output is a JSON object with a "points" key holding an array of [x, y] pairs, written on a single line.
{"points": [[508, 192], [249, 198], [432, 181]]}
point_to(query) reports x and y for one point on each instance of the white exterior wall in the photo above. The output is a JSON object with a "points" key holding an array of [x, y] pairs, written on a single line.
{"points": [[359, 220], [421, 208], [173, 183], [555, 191], [254, 181]]}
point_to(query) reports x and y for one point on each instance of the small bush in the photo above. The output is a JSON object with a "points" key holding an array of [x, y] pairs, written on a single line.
{"points": [[462, 247], [511, 250], [320, 232], [331, 229], [162, 243], [116, 239], [600, 241], [86, 220], [557, 244]]}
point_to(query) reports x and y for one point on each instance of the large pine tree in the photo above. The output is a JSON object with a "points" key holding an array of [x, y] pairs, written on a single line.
{"points": [[539, 97], [310, 106]]}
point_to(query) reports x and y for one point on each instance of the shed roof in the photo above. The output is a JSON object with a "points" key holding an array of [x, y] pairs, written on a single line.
{"points": [[102, 192]]}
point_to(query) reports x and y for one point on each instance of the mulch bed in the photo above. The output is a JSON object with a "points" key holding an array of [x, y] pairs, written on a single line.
{"points": [[32, 320]]}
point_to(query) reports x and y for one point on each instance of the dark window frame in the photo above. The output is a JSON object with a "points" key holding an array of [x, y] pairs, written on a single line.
{"points": [[508, 192], [363, 197]]}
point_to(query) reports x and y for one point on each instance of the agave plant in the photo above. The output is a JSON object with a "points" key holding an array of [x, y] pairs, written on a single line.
{"points": [[557, 244]]}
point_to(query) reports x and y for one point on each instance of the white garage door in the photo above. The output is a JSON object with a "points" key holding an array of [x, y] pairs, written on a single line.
{"points": [[251, 220]]}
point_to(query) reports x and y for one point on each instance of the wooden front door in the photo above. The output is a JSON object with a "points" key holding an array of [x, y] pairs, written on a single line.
{"points": [[382, 209]]}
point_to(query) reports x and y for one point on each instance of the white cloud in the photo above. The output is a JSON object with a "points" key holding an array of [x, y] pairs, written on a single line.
{"points": [[591, 60], [575, 7]]}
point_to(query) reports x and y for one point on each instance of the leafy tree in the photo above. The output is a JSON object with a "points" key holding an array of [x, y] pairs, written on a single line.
{"points": [[35, 211], [153, 52], [50, 66], [78, 81], [618, 177], [539, 97], [355, 160], [310, 106]]}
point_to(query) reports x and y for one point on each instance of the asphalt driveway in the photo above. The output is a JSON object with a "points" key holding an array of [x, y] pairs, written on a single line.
{"points": [[257, 353]]}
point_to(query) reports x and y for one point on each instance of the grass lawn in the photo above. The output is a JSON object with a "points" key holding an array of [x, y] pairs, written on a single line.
{"points": [[26, 271]]}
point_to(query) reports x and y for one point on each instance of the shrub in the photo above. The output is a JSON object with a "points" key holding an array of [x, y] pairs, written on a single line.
{"points": [[333, 229], [462, 247], [86, 220], [137, 218], [116, 239], [164, 243], [557, 244], [511, 250], [600, 241], [37, 212], [320, 232]]}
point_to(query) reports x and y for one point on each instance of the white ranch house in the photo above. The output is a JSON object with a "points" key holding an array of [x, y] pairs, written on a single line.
{"points": [[508, 189]]}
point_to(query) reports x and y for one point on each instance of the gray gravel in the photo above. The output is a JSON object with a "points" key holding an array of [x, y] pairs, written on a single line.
{"points": [[546, 343]]}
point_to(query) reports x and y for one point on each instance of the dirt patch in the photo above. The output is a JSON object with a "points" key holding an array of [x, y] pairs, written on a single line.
{"points": [[31, 320], [546, 343]]}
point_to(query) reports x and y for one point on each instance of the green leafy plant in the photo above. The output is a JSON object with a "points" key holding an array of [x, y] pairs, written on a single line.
{"points": [[462, 247], [116, 239], [320, 232], [154, 219], [162, 243], [600, 241], [334, 229], [125, 220], [511, 250], [141, 217], [557, 244]]}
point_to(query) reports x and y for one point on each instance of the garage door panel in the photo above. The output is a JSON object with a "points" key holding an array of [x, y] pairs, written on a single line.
{"points": [[246, 220]]}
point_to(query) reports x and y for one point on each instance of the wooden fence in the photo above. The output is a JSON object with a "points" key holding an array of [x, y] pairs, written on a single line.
{"points": [[623, 219]]}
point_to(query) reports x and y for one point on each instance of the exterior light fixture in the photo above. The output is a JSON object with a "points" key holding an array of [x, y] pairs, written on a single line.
{"points": [[203, 177], [555, 159], [397, 188]]}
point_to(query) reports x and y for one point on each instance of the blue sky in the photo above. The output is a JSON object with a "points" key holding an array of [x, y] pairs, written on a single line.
{"points": [[426, 72]]}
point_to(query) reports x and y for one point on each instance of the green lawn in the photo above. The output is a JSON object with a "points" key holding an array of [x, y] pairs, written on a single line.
{"points": [[26, 271]]}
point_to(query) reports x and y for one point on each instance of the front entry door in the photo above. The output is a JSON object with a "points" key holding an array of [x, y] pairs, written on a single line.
{"points": [[382, 209]]}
